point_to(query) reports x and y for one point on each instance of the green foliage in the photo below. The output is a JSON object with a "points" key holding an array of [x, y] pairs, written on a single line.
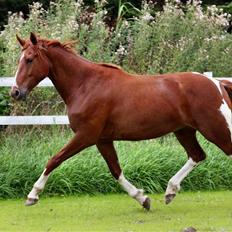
{"points": [[147, 164], [4, 102], [227, 7], [183, 38]]}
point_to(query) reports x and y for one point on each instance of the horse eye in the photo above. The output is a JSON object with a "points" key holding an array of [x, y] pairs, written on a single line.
{"points": [[29, 61]]}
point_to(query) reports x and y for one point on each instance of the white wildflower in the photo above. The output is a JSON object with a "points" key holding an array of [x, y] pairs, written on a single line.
{"points": [[121, 51], [147, 17], [79, 3]]}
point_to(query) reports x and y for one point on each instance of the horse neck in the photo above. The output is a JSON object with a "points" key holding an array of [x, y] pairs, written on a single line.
{"points": [[68, 72]]}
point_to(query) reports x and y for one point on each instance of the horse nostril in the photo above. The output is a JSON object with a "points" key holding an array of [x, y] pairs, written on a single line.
{"points": [[17, 93]]}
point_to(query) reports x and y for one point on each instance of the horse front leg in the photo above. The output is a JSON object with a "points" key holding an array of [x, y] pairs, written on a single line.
{"points": [[79, 142], [109, 154]]}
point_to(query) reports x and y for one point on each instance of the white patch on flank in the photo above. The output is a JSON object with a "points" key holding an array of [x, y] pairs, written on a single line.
{"points": [[224, 108], [174, 182], [38, 186], [131, 189], [226, 112]]}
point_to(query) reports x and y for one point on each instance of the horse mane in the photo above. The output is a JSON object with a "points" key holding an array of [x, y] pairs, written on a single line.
{"points": [[68, 46]]}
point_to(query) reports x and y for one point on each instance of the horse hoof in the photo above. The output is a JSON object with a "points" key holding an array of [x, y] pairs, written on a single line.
{"points": [[147, 204], [31, 201], [169, 198]]}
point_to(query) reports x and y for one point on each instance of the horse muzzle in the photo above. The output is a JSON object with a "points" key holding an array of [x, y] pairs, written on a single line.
{"points": [[18, 94]]}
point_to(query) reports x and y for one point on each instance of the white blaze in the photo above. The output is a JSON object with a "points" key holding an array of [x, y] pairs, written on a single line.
{"points": [[16, 74]]}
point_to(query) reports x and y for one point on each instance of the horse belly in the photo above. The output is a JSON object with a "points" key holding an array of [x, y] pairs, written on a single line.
{"points": [[143, 124]]}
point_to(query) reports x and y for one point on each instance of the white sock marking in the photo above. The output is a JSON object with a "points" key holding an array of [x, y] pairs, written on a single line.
{"points": [[174, 182], [38, 186], [131, 189]]}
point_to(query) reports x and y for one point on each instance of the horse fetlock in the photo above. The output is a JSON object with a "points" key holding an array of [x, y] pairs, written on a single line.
{"points": [[140, 197], [136, 193], [140, 192], [172, 188], [33, 196], [171, 191]]}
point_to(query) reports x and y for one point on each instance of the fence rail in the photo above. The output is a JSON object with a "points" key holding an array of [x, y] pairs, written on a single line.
{"points": [[48, 119], [9, 81], [34, 120]]}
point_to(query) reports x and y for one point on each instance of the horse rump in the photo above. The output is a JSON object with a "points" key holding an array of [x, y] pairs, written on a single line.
{"points": [[228, 87]]}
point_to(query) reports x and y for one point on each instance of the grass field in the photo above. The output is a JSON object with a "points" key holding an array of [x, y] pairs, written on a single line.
{"points": [[205, 211]]}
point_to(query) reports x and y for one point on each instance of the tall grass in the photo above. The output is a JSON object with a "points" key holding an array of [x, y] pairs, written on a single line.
{"points": [[147, 164]]}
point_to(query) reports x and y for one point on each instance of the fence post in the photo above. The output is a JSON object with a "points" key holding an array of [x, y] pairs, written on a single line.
{"points": [[208, 74]]}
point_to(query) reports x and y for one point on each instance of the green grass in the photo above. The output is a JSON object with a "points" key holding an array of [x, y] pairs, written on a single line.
{"points": [[147, 164], [205, 211]]}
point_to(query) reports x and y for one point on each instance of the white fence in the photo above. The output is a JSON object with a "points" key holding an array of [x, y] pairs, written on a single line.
{"points": [[45, 120]]}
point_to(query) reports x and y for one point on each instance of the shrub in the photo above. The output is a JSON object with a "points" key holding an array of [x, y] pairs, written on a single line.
{"points": [[183, 38]]}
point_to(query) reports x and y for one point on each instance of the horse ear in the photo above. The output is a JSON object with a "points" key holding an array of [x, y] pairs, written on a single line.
{"points": [[21, 41], [33, 38]]}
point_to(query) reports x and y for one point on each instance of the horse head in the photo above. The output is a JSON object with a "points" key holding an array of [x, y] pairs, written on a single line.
{"points": [[33, 67]]}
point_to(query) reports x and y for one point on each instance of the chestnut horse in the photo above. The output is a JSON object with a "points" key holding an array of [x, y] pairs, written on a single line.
{"points": [[105, 103]]}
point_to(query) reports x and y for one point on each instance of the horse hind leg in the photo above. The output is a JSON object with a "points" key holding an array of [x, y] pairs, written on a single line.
{"points": [[187, 138], [218, 130]]}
